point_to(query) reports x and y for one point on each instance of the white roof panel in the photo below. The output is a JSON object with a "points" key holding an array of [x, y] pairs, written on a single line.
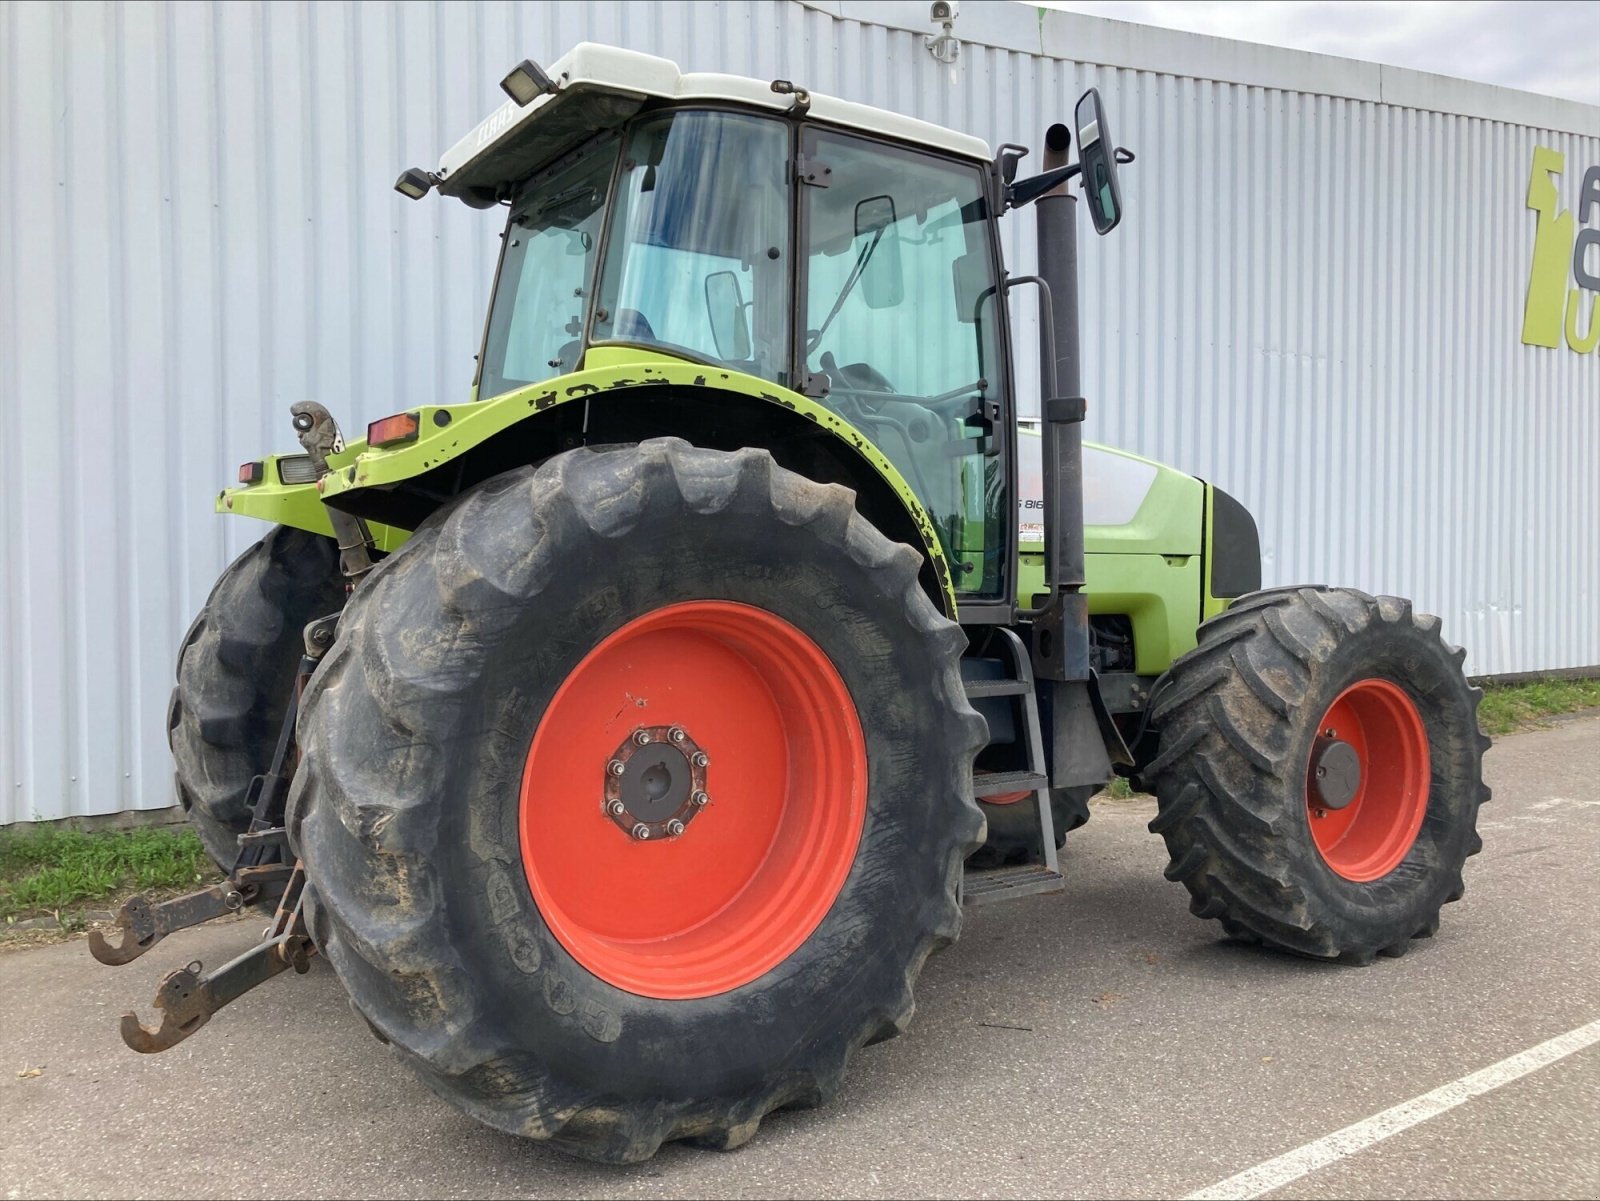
{"points": [[602, 86]]}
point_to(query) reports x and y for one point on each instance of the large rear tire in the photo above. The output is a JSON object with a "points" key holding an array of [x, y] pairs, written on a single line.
{"points": [[535, 959], [235, 671], [1319, 772]]}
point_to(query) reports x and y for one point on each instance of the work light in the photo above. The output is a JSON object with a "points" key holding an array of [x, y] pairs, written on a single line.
{"points": [[527, 82], [414, 183]]}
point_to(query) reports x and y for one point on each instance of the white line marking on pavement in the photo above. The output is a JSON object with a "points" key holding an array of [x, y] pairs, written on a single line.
{"points": [[1275, 1173]]}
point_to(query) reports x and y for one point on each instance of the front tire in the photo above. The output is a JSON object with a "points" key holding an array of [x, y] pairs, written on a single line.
{"points": [[538, 962], [1319, 772]]}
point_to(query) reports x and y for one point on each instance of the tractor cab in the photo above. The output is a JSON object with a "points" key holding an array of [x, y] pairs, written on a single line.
{"points": [[838, 251]]}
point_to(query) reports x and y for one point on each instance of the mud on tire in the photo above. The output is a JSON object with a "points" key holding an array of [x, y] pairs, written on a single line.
{"points": [[1238, 717], [235, 671], [416, 731]]}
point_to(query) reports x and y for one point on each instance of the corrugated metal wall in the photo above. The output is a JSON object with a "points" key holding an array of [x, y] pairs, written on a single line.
{"points": [[1314, 301]]}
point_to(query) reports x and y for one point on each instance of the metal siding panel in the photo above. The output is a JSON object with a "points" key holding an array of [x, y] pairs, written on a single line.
{"points": [[1313, 300]]}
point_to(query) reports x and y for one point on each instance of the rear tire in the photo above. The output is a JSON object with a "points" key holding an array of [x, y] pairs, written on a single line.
{"points": [[1251, 833], [235, 671], [428, 801]]}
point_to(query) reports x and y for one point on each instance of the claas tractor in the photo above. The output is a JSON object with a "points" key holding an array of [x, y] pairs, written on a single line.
{"points": [[626, 733]]}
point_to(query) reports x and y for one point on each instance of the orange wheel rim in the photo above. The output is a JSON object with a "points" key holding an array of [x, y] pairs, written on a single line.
{"points": [[693, 799], [1367, 781]]}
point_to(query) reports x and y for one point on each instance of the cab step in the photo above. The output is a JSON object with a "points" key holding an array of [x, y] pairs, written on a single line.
{"points": [[977, 689], [1009, 883], [998, 783]]}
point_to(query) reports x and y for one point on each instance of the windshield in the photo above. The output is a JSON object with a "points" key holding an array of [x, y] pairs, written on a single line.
{"points": [[699, 249], [536, 322]]}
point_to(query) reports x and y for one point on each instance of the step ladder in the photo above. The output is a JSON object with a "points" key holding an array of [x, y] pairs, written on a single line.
{"points": [[986, 886]]}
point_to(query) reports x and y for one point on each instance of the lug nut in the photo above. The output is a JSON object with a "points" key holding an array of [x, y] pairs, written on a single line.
{"points": [[676, 734], [700, 800], [642, 738], [641, 831], [701, 759], [616, 767], [616, 808], [674, 827]]}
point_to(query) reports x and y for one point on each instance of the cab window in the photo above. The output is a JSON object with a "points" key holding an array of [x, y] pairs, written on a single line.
{"points": [[901, 323]]}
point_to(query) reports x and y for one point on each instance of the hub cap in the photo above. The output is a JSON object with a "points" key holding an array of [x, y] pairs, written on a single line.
{"points": [[692, 799], [1367, 780]]}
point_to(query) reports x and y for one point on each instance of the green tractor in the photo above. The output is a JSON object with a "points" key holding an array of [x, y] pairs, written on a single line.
{"points": [[627, 734]]}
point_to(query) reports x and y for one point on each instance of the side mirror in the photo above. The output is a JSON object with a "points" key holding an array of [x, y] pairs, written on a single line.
{"points": [[725, 309], [1098, 158], [883, 282]]}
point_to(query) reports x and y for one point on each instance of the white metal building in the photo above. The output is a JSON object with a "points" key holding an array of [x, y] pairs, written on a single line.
{"points": [[1316, 300]]}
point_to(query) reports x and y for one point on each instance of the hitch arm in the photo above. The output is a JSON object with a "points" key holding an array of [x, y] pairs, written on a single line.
{"points": [[187, 999], [143, 924]]}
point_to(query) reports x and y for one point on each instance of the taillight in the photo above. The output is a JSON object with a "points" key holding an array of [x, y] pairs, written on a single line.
{"points": [[386, 431], [252, 473]]}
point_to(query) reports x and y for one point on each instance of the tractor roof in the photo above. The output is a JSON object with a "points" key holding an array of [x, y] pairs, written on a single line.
{"points": [[599, 87]]}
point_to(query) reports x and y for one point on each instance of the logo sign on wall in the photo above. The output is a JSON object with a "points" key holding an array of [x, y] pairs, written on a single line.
{"points": [[1566, 259]]}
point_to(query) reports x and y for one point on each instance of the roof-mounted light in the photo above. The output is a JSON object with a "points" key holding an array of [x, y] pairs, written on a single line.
{"points": [[414, 183], [527, 82]]}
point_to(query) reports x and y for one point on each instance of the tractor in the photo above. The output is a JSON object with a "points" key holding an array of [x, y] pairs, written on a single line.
{"points": [[627, 733]]}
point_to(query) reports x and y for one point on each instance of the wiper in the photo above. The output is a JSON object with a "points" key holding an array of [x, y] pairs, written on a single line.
{"points": [[849, 286]]}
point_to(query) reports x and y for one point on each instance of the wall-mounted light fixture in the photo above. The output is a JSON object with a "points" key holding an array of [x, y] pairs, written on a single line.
{"points": [[945, 47]]}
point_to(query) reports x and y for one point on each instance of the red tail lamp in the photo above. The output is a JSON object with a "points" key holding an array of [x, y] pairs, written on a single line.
{"points": [[252, 473], [387, 431]]}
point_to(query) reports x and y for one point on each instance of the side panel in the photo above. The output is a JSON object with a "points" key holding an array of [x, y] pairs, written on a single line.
{"points": [[1144, 527]]}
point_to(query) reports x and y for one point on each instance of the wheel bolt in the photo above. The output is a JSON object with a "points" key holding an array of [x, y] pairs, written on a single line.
{"points": [[676, 734], [615, 808], [642, 738], [701, 759], [700, 800], [674, 827], [616, 767], [1321, 772], [641, 831]]}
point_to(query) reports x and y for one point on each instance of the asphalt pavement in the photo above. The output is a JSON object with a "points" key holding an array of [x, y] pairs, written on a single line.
{"points": [[1097, 1043]]}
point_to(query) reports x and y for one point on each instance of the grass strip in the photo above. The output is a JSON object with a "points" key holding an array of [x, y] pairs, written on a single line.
{"points": [[45, 869]]}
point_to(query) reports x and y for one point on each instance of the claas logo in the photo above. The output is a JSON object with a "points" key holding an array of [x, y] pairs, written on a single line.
{"points": [[1563, 254]]}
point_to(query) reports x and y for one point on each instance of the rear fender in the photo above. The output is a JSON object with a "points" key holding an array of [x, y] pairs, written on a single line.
{"points": [[454, 442]]}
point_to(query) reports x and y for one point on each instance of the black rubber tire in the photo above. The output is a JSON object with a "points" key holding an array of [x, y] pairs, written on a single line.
{"points": [[1237, 718], [414, 733], [1014, 829], [235, 671]]}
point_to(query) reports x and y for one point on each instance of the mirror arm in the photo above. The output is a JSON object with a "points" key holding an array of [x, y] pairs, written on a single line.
{"points": [[1029, 190]]}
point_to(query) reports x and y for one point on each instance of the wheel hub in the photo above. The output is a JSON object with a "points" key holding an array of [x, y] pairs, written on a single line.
{"points": [[1335, 772], [655, 783], [1367, 780]]}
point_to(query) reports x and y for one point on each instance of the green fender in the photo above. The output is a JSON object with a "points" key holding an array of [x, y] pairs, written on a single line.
{"points": [[447, 431]]}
